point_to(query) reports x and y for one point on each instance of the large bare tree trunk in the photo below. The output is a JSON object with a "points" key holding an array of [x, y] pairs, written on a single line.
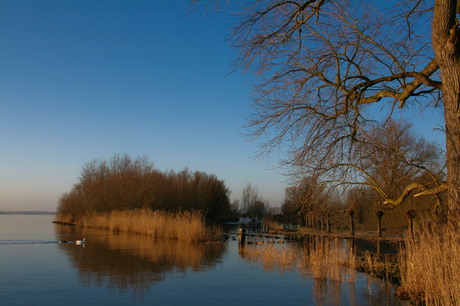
{"points": [[446, 47]]}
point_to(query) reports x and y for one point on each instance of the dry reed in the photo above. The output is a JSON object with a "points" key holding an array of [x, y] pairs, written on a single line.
{"points": [[331, 261], [430, 265], [64, 218], [188, 226], [273, 225], [324, 260], [273, 258]]}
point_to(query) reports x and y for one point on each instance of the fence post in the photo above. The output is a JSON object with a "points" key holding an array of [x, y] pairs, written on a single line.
{"points": [[242, 236], [410, 215], [352, 229], [379, 215]]}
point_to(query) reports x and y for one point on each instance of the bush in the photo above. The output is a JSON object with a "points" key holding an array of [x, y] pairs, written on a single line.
{"points": [[124, 184]]}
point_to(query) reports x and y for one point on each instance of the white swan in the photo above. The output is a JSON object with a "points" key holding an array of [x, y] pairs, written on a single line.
{"points": [[80, 241]]}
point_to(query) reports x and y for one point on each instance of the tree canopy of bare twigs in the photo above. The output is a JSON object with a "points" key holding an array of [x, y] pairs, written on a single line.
{"points": [[123, 183], [252, 204], [323, 67]]}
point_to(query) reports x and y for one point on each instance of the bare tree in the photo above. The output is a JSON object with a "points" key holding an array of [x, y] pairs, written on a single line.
{"points": [[360, 200], [305, 198], [391, 157], [252, 204], [323, 65]]}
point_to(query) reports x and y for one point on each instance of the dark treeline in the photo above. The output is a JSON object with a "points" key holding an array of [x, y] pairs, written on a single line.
{"points": [[122, 183]]}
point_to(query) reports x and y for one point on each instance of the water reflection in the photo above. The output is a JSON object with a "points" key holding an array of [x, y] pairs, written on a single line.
{"points": [[130, 262], [332, 264]]}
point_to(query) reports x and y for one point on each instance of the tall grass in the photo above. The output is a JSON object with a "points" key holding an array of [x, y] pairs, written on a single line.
{"points": [[273, 258], [327, 260], [332, 265], [186, 225], [331, 262], [430, 265]]}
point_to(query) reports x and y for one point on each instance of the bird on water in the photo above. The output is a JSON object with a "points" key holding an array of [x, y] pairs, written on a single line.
{"points": [[80, 241]]}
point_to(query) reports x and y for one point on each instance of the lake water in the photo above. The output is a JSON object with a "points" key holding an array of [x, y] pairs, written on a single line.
{"points": [[129, 269]]}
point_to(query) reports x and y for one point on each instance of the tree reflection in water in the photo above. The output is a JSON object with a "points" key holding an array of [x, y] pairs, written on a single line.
{"points": [[130, 262]]}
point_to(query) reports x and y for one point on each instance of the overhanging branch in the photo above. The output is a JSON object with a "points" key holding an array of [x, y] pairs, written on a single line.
{"points": [[392, 203]]}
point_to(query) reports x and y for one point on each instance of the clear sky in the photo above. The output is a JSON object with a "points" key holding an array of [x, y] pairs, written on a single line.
{"points": [[84, 80]]}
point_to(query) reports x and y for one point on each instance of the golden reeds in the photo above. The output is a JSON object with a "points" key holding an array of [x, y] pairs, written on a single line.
{"points": [[189, 226], [331, 261], [324, 259], [430, 265], [273, 258]]}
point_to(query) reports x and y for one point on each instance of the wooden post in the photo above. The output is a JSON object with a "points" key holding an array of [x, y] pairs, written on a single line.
{"points": [[351, 243], [379, 215], [410, 215], [242, 236], [352, 228]]}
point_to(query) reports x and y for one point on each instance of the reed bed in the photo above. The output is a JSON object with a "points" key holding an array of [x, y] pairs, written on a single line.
{"points": [[64, 218], [184, 225], [273, 258], [331, 261], [430, 265], [331, 265], [323, 260]]}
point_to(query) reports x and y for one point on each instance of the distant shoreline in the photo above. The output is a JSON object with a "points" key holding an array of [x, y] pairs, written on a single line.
{"points": [[27, 213]]}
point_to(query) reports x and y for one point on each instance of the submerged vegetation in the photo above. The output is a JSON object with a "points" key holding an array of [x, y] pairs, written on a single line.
{"points": [[131, 195]]}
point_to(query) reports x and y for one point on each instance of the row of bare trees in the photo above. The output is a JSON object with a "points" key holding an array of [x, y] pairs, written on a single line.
{"points": [[391, 161], [251, 204], [123, 183]]}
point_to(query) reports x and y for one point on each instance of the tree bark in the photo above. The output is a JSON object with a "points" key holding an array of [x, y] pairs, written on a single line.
{"points": [[446, 48]]}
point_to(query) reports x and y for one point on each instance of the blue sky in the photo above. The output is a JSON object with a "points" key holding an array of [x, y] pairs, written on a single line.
{"points": [[84, 80]]}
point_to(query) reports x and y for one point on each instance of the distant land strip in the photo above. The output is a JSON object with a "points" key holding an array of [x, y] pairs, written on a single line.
{"points": [[27, 213]]}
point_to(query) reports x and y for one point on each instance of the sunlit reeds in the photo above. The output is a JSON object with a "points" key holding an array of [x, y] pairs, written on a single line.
{"points": [[430, 265], [331, 261], [186, 225], [273, 257], [322, 259]]}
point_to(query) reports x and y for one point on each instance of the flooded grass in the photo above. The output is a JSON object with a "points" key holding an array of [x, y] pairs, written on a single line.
{"points": [[329, 262], [273, 258], [332, 265], [427, 268]]}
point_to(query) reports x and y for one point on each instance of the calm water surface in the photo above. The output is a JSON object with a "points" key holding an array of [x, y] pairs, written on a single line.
{"points": [[128, 269]]}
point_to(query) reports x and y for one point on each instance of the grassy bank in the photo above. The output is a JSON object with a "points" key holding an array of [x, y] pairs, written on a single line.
{"points": [[187, 226]]}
